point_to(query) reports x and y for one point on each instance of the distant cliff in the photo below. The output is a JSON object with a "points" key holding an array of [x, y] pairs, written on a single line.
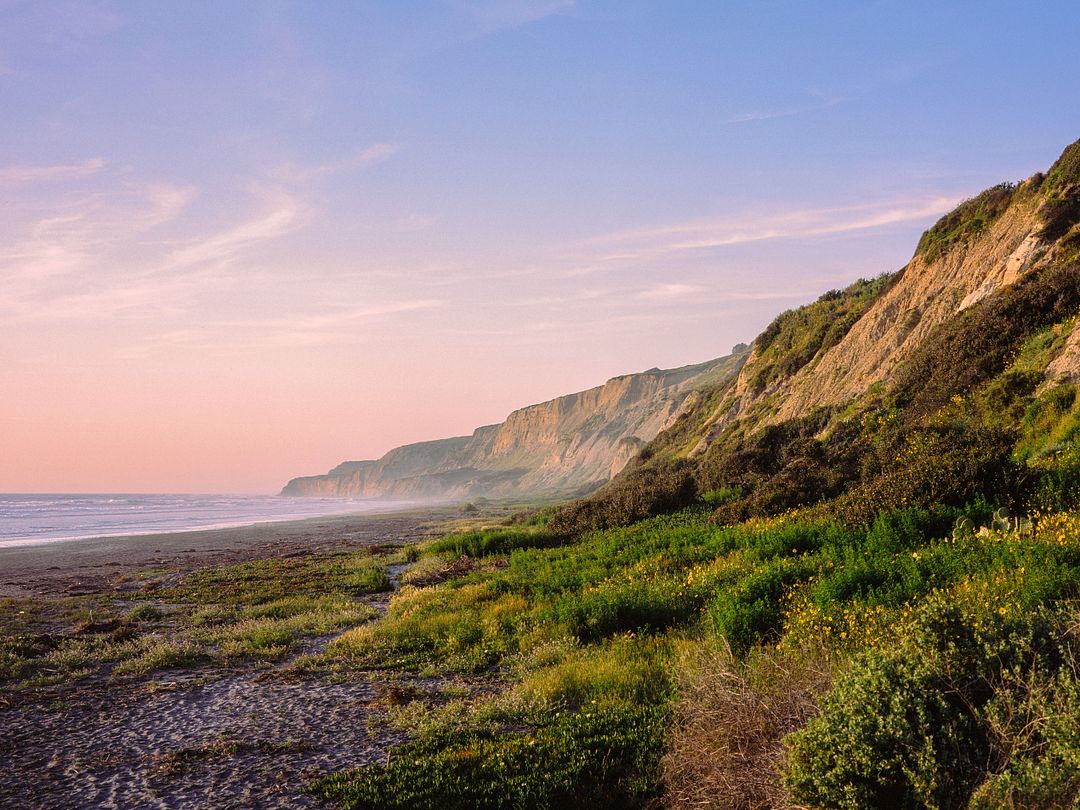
{"points": [[559, 446]]}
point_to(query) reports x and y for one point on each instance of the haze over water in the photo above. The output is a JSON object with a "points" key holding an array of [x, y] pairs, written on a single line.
{"points": [[33, 519]]}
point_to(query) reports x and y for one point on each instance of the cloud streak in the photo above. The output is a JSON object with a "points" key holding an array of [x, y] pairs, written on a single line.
{"points": [[342, 317], [806, 223], [668, 292], [823, 103], [112, 255], [498, 15], [21, 174], [281, 214], [363, 158]]}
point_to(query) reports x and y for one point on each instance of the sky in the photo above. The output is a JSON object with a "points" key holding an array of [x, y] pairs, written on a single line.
{"points": [[242, 242]]}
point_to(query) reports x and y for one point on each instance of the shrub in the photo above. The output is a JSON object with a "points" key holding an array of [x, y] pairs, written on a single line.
{"points": [[144, 613], [487, 542], [656, 488], [797, 336], [1059, 214], [1037, 726], [969, 349], [465, 629], [616, 607], [631, 669], [908, 727], [1066, 169], [934, 467], [721, 496], [967, 219], [604, 757], [751, 611], [161, 655]]}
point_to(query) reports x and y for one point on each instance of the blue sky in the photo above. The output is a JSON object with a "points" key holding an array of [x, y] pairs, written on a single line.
{"points": [[293, 233]]}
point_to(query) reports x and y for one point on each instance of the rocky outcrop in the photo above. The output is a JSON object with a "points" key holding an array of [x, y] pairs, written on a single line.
{"points": [[565, 444], [1065, 367]]}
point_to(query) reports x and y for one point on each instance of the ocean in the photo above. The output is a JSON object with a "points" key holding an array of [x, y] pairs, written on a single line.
{"points": [[34, 519]]}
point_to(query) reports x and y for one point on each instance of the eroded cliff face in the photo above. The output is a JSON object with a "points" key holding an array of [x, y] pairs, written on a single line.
{"points": [[1065, 368], [558, 446], [931, 289]]}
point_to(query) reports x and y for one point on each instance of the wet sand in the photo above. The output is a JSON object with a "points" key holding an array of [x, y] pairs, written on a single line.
{"points": [[92, 565]]}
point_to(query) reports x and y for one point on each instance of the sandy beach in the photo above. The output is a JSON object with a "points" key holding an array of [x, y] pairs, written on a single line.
{"points": [[218, 732], [90, 565]]}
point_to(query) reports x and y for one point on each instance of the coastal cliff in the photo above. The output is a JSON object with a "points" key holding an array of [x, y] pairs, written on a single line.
{"points": [[570, 443]]}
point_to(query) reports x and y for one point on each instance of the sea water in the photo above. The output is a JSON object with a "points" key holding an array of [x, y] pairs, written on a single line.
{"points": [[34, 519]]}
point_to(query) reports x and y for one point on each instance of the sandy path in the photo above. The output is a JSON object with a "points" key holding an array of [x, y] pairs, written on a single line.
{"points": [[107, 752]]}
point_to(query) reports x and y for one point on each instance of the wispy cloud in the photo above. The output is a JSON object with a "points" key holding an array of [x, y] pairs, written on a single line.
{"points": [[804, 223], [342, 317], [112, 254], [89, 229], [501, 14], [17, 175], [362, 158], [668, 292], [166, 202], [281, 214], [822, 101], [311, 329]]}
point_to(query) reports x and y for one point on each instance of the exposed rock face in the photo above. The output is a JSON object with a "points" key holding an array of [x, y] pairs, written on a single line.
{"points": [[926, 293], [1066, 366], [558, 446]]}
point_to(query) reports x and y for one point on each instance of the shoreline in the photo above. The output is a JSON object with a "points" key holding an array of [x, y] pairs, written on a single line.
{"points": [[92, 564], [242, 523]]}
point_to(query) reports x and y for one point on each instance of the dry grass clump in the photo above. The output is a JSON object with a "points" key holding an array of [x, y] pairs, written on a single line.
{"points": [[726, 745]]}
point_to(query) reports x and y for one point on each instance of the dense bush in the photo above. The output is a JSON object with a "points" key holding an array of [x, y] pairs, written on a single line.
{"points": [[486, 542], [752, 610], [975, 346], [655, 488], [782, 466], [1066, 170], [797, 336], [913, 727], [947, 465], [1060, 213], [604, 758]]}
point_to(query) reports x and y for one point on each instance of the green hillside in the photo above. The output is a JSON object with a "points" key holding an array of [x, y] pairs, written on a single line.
{"points": [[870, 603]]}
